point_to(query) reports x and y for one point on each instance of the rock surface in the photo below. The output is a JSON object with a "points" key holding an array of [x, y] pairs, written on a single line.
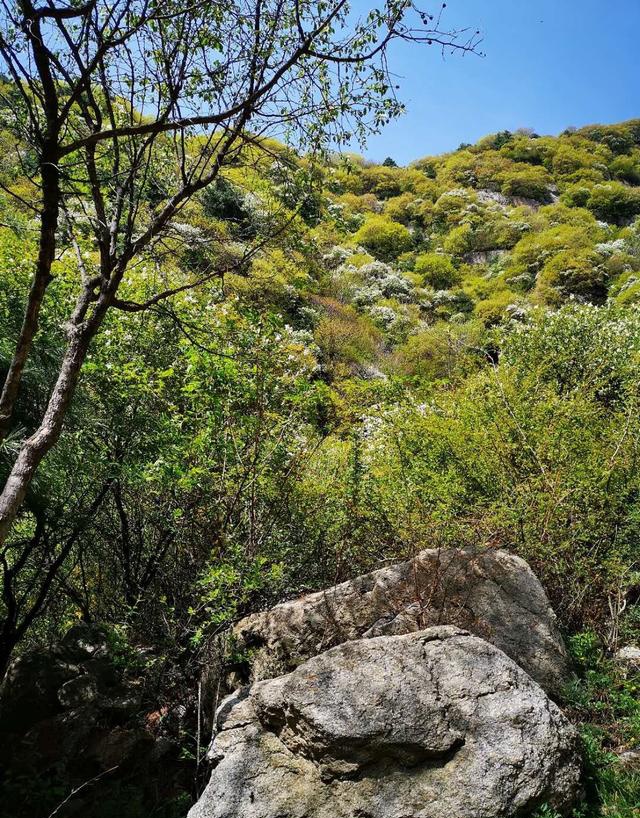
{"points": [[629, 659], [73, 713], [433, 724], [491, 593]]}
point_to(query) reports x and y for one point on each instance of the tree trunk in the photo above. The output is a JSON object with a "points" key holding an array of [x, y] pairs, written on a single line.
{"points": [[41, 280], [41, 441], [6, 651]]}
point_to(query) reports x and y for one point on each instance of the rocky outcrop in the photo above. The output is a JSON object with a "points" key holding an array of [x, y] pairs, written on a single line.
{"points": [[484, 256], [45, 682], [80, 712], [492, 594], [432, 724], [628, 658]]}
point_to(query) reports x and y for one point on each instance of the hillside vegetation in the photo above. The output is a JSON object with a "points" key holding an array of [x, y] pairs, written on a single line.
{"points": [[384, 358]]}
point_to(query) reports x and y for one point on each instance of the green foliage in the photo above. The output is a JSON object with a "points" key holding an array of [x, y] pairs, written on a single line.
{"points": [[459, 240], [605, 699], [346, 339], [443, 352], [437, 271], [614, 202], [415, 359], [494, 309], [528, 182], [536, 249], [570, 273], [627, 168], [383, 238], [538, 453]]}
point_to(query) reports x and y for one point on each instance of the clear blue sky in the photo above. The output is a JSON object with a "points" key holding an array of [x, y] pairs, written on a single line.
{"points": [[548, 64]]}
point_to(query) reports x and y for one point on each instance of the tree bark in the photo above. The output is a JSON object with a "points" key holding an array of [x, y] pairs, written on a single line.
{"points": [[6, 652], [50, 180], [41, 441], [50, 176]]}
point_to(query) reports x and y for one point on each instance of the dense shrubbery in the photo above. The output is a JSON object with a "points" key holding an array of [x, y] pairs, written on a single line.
{"points": [[384, 238], [436, 270]]}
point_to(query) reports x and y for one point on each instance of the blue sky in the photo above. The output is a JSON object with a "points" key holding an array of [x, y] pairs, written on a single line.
{"points": [[549, 64]]}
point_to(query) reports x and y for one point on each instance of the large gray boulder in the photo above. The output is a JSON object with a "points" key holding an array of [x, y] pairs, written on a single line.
{"points": [[491, 593], [433, 724]]}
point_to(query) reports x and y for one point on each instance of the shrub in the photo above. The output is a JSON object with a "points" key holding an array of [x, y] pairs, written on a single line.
{"points": [[494, 309], [385, 239], [569, 159], [525, 149], [578, 194], [366, 203], [618, 138], [614, 202], [383, 181], [628, 292], [460, 240], [447, 303], [345, 338], [401, 208], [627, 168], [225, 201], [530, 182], [453, 205], [570, 273], [442, 352], [534, 250], [436, 270], [460, 169]]}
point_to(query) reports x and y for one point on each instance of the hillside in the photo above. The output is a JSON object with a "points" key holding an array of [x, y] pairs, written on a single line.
{"points": [[489, 231], [377, 359]]}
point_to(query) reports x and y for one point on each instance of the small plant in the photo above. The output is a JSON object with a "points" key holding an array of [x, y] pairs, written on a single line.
{"points": [[604, 701]]}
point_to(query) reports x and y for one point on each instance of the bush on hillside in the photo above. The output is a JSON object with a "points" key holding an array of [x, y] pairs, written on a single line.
{"points": [[493, 310], [614, 202], [571, 273], [437, 271], [384, 239], [627, 168], [529, 182], [534, 250]]}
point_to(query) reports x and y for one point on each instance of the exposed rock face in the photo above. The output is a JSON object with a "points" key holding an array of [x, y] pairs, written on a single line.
{"points": [[484, 256], [492, 594], [433, 724], [629, 658]]}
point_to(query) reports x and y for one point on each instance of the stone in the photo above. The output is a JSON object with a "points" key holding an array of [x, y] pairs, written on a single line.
{"points": [[629, 658], [78, 692], [59, 740], [491, 593], [84, 641], [124, 704], [29, 692], [120, 746], [42, 683], [484, 256], [630, 760], [432, 724], [72, 713]]}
